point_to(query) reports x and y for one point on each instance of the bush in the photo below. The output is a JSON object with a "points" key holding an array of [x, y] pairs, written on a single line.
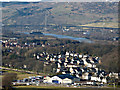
{"points": [[7, 80]]}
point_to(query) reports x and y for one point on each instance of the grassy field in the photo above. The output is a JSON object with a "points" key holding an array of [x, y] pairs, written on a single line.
{"points": [[103, 24], [58, 88], [20, 75]]}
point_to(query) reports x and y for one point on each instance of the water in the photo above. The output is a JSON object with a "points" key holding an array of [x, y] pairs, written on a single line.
{"points": [[67, 37]]}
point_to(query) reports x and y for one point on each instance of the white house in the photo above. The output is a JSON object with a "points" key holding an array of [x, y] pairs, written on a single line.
{"points": [[80, 56], [85, 76], [71, 70], [59, 66], [67, 54], [65, 64], [71, 54], [104, 80], [93, 78], [66, 60], [58, 70], [59, 56], [89, 65], [115, 75], [75, 55]]}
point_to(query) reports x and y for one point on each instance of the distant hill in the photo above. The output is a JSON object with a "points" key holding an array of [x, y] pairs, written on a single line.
{"points": [[26, 13]]}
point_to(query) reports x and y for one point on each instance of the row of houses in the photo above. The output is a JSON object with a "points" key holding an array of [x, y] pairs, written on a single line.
{"points": [[11, 43]]}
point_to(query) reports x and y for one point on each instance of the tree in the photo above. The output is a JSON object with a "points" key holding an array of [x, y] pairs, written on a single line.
{"points": [[7, 80]]}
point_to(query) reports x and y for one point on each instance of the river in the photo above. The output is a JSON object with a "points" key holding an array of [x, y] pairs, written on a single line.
{"points": [[67, 37]]}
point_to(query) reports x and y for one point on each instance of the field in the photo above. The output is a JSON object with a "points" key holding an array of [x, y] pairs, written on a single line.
{"points": [[58, 88], [103, 24], [20, 75]]}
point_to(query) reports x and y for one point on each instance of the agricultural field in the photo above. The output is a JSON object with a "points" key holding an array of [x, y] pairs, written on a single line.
{"points": [[102, 24]]}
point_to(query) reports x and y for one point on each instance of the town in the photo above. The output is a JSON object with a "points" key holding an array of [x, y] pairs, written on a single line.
{"points": [[71, 69], [65, 67], [68, 67]]}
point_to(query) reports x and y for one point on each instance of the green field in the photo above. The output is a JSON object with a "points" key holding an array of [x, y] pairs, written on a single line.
{"points": [[20, 75]]}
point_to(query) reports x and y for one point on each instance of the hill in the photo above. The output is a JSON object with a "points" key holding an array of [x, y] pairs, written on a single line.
{"points": [[15, 13]]}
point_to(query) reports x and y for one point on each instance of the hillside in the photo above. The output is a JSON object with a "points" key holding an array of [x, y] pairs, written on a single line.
{"points": [[58, 13]]}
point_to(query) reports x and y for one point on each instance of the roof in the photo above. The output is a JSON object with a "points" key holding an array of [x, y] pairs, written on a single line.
{"points": [[63, 76]]}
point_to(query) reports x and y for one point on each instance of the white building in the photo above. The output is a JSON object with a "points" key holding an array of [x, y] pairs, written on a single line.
{"points": [[61, 79]]}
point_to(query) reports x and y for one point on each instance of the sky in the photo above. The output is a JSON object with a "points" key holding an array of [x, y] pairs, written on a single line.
{"points": [[62, 0]]}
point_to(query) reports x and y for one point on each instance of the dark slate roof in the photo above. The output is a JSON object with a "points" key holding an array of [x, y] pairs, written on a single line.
{"points": [[88, 61], [74, 62], [67, 71], [63, 76]]}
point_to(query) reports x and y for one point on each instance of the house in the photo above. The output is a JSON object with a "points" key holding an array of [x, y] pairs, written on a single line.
{"points": [[59, 66], [104, 80], [85, 56], [85, 76], [58, 70], [67, 54], [71, 70], [80, 56], [89, 65], [93, 78], [114, 75], [75, 55]]}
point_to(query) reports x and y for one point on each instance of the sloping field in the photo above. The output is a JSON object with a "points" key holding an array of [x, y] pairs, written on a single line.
{"points": [[20, 75], [103, 24]]}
